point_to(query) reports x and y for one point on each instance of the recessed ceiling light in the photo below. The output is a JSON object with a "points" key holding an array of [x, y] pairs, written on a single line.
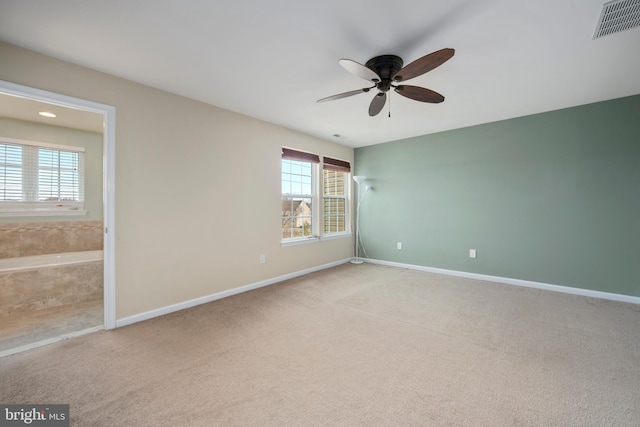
{"points": [[46, 114]]}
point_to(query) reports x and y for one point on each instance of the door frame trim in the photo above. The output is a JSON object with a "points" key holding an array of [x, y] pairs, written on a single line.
{"points": [[108, 177]]}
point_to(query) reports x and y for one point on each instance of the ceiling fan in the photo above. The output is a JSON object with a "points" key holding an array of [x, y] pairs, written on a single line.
{"points": [[386, 71]]}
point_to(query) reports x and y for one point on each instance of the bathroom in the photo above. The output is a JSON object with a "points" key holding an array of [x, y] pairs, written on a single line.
{"points": [[51, 248]]}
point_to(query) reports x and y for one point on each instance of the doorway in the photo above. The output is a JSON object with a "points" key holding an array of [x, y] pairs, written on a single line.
{"points": [[79, 110]]}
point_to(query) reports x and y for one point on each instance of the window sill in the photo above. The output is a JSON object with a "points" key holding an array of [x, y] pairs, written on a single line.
{"points": [[42, 212], [315, 239], [336, 236], [301, 241]]}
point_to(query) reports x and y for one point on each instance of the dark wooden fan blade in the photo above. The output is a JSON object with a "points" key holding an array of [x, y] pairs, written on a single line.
{"points": [[344, 95], [377, 103], [359, 70], [420, 94], [424, 64]]}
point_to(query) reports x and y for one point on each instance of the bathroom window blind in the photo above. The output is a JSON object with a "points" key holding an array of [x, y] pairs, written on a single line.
{"points": [[59, 176], [40, 176]]}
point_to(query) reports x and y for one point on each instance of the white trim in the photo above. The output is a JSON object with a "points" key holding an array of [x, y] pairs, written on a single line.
{"points": [[333, 236], [108, 180], [299, 241], [209, 298], [109, 204], [15, 141], [517, 282]]}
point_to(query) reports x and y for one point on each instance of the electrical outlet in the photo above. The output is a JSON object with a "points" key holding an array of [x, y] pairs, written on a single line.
{"points": [[399, 246], [472, 253], [263, 259]]}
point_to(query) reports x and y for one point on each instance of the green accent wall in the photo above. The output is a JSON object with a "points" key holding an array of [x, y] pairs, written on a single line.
{"points": [[552, 198]]}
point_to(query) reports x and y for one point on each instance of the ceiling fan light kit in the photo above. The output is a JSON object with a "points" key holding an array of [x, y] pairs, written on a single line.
{"points": [[387, 71]]}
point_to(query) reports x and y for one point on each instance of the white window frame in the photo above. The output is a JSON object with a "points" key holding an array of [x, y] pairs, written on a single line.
{"points": [[315, 224], [28, 208], [346, 176]]}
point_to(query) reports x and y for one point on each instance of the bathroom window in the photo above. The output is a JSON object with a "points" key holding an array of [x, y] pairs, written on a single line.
{"points": [[335, 175], [299, 218], [40, 178]]}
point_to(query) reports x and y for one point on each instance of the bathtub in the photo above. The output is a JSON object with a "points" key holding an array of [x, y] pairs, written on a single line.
{"points": [[50, 260], [48, 296]]}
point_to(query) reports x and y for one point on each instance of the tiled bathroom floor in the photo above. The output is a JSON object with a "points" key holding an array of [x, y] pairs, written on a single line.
{"points": [[19, 329]]}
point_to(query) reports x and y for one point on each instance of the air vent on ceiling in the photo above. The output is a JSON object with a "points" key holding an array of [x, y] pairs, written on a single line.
{"points": [[618, 15]]}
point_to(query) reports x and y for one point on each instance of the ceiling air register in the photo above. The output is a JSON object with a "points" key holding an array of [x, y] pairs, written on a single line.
{"points": [[618, 15]]}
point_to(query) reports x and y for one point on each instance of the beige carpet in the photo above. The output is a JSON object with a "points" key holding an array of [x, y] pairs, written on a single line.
{"points": [[352, 346]]}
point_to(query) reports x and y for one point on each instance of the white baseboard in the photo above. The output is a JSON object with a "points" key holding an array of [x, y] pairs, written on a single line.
{"points": [[516, 282], [505, 280], [203, 300]]}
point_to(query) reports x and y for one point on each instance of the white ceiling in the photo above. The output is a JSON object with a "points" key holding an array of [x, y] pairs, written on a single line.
{"points": [[15, 107], [273, 59]]}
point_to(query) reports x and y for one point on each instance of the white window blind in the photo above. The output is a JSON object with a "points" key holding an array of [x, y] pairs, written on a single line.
{"points": [[11, 169], [59, 176], [40, 176]]}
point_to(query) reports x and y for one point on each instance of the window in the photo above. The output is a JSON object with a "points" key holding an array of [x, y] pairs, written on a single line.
{"points": [[40, 177], [298, 194], [301, 213], [335, 175]]}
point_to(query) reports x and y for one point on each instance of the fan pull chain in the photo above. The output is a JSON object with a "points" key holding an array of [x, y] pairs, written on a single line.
{"points": [[389, 106]]}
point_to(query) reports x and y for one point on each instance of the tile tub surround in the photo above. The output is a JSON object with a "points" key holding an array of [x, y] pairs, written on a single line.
{"points": [[47, 302], [40, 238], [48, 287]]}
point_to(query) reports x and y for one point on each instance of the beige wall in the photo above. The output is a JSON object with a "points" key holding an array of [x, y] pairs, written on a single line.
{"points": [[189, 179]]}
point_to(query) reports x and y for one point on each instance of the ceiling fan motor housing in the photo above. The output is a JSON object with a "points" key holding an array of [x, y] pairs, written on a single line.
{"points": [[385, 66]]}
